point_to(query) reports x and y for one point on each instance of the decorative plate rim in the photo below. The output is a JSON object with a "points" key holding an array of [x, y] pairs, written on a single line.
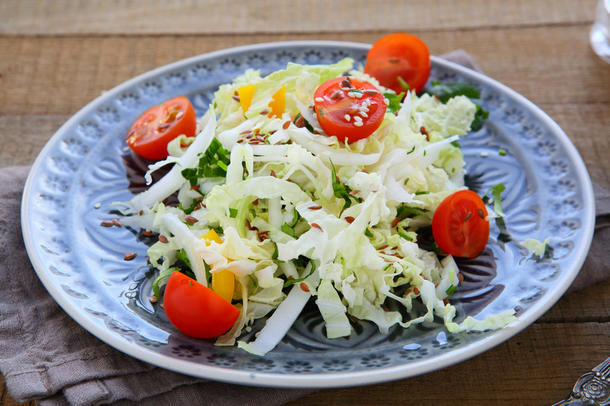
{"points": [[317, 380]]}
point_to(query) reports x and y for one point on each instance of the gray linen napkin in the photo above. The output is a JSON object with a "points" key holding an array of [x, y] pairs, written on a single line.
{"points": [[45, 355]]}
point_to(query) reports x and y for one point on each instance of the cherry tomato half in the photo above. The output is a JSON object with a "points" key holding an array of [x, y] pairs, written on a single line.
{"points": [[348, 108], [459, 225], [157, 126], [399, 55], [195, 310]]}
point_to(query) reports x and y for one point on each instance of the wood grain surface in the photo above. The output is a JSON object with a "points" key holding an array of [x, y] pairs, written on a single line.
{"points": [[54, 60]]}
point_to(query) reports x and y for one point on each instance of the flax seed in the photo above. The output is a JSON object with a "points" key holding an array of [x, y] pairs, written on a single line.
{"points": [[129, 256], [191, 219]]}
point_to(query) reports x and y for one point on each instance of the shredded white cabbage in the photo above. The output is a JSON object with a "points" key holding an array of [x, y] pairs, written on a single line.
{"points": [[291, 198]]}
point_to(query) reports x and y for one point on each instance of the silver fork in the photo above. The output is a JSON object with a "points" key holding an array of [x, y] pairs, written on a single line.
{"points": [[591, 389]]}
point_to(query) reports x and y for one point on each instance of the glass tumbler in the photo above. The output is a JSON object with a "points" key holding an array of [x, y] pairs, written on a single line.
{"points": [[600, 32]]}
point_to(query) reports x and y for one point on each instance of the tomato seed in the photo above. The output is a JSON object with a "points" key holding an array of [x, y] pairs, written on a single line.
{"points": [[467, 216], [481, 214]]}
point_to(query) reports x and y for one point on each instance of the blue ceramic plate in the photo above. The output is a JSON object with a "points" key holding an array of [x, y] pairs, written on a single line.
{"points": [[81, 264]]}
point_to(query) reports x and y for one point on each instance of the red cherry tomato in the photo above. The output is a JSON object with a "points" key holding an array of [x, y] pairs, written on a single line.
{"points": [[157, 126], [348, 108], [195, 310], [459, 225], [399, 55]]}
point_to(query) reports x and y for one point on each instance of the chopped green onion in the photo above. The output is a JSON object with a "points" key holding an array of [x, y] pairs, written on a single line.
{"points": [[287, 229], [232, 212]]}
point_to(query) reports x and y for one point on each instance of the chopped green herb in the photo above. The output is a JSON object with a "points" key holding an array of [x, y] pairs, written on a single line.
{"points": [[405, 211], [423, 192], [340, 190], [394, 101], [218, 229], [212, 164], [368, 233], [480, 116], [406, 181], [412, 149], [446, 91], [183, 257], [455, 144], [502, 152], [189, 210], [450, 290], [232, 212]]}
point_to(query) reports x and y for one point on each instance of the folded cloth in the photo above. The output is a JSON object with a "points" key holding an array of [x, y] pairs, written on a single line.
{"points": [[45, 355]]}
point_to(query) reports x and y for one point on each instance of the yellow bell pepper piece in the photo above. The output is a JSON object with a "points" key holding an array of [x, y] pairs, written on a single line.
{"points": [[245, 94], [278, 103], [211, 236], [223, 282]]}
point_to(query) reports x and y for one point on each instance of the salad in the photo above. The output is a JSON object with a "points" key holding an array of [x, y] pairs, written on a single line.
{"points": [[329, 183]]}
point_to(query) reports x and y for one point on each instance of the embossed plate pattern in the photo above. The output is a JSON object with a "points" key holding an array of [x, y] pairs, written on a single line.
{"points": [[81, 264]]}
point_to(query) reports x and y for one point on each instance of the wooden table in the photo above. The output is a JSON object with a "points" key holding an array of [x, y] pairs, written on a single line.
{"points": [[56, 56]]}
